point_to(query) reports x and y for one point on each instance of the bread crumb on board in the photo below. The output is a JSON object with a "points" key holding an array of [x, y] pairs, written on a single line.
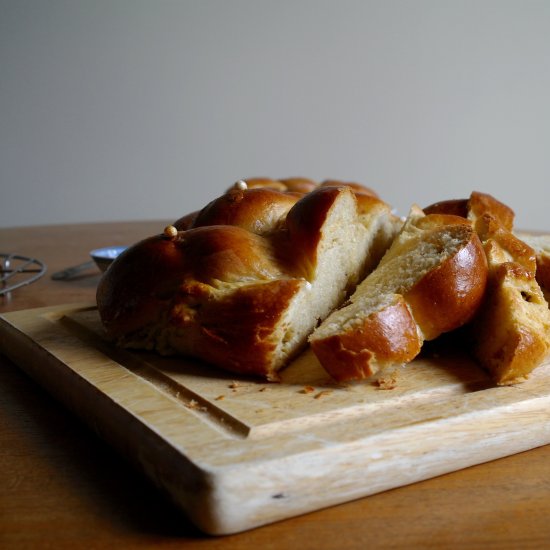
{"points": [[386, 382], [195, 406]]}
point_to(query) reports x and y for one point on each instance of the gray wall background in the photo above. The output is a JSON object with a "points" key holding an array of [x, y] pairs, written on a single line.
{"points": [[130, 109]]}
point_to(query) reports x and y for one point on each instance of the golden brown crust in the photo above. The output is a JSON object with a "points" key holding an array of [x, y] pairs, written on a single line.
{"points": [[366, 203], [131, 294], [438, 220], [540, 243], [475, 207], [456, 207], [387, 336], [148, 275], [299, 185], [483, 203], [290, 185], [258, 210], [449, 296], [236, 332], [502, 246], [543, 270], [186, 222], [357, 188], [305, 185]]}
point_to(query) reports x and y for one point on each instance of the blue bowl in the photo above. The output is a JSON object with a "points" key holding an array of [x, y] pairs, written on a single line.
{"points": [[104, 257]]}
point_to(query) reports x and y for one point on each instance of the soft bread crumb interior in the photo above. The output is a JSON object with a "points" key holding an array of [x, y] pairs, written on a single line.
{"points": [[349, 247], [410, 258]]}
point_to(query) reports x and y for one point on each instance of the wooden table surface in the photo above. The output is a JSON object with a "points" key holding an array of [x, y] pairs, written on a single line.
{"points": [[62, 487]]}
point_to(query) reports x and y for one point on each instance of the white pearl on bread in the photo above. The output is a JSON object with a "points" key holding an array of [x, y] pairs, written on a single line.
{"points": [[240, 185], [170, 231]]}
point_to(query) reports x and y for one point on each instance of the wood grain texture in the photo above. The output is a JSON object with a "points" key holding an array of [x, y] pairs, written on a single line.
{"points": [[236, 453], [63, 487]]}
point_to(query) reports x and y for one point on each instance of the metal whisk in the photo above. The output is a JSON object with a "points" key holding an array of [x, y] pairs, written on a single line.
{"points": [[17, 270]]}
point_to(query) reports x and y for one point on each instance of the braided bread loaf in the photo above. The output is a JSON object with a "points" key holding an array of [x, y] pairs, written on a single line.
{"points": [[242, 283]]}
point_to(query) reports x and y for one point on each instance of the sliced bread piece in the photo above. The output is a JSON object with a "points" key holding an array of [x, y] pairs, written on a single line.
{"points": [[431, 280]]}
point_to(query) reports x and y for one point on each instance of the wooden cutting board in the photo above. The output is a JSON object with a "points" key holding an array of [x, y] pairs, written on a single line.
{"points": [[235, 453]]}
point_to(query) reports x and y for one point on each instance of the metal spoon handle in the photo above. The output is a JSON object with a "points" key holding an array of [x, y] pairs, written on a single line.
{"points": [[71, 272]]}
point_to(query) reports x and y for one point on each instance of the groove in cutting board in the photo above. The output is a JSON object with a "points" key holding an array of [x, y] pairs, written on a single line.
{"points": [[313, 399]]}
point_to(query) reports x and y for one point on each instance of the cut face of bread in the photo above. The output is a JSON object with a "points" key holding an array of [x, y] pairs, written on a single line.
{"points": [[431, 280], [245, 296]]}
